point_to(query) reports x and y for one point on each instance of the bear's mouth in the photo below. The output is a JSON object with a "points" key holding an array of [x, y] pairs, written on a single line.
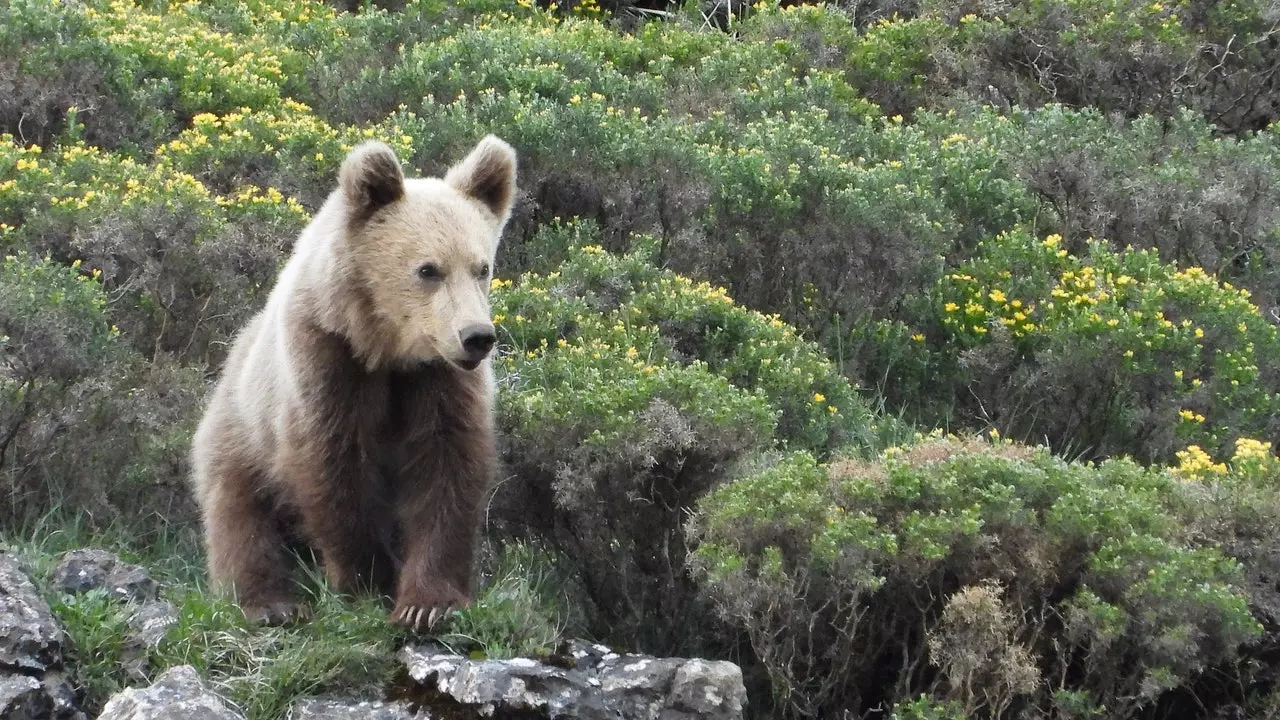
{"points": [[468, 363]]}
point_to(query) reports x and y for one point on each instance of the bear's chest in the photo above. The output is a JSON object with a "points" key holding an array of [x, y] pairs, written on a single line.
{"points": [[406, 412]]}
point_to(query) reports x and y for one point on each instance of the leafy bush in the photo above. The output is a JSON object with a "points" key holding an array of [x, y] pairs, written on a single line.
{"points": [[993, 576], [627, 393], [58, 356], [55, 62], [1106, 354]]}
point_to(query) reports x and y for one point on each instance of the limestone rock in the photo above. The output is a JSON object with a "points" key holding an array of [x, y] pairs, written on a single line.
{"points": [[178, 694], [90, 569], [707, 689], [30, 637], [320, 709], [595, 684], [150, 622], [22, 697]]}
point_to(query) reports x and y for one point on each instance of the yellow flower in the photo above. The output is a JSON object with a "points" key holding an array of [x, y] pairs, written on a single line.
{"points": [[1195, 462], [918, 337], [951, 307], [819, 397], [831, 409], [996, 296]]}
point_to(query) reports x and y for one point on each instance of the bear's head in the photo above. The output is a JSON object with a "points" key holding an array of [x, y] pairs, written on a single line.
{"points": [[420, 253]]}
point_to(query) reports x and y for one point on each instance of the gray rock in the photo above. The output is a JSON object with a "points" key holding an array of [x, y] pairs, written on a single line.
{"points": [[637, 686], [318, 709], [30, 637], [600, 684], [23, 698], [587, 656], [150, 622], [706, 689], [147, 627], [61, 697], [178, 694], [90, 569], [517, 685]]}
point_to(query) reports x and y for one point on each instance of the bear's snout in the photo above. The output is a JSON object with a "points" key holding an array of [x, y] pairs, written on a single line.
{"points": [[477, 341]]}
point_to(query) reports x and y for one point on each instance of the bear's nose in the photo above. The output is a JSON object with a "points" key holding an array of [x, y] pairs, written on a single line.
{"points": [[478, 340]]}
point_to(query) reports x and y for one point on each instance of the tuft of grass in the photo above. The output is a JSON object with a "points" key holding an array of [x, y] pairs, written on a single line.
{"points": [[520, 612]]}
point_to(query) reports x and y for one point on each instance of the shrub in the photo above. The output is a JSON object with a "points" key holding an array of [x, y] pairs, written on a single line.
{"points": [[627, 393], [58, 356], [992, 576], [193, 264], [1105, 354], [55, 63]]}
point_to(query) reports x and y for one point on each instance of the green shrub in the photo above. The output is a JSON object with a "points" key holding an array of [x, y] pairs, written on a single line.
{"points": [[629, 392], [55, 62], [59, 357], [193, 264], [945, 568], [1106, 354]]}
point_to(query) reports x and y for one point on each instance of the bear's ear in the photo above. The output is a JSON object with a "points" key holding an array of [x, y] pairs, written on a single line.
{"points": [[371, 178], [488, 174]]}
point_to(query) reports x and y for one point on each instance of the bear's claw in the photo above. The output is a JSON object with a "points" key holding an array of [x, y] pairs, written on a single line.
{"points": [[282, 612], [420, 617]]}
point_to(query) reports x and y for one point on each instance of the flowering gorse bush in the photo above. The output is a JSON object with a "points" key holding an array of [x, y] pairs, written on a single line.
{"points": [[1035, 581], [627, 392], [1154, 356]]}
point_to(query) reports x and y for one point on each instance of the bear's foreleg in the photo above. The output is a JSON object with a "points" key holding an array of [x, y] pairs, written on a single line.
{"points": [[439, 519], [247, 553], [344, 518]]}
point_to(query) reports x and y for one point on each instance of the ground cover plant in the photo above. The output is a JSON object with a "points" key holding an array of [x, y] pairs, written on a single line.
{"points": [[752, 250]]}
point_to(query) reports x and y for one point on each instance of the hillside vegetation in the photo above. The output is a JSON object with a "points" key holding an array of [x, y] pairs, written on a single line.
{"points": [[921, 357]]}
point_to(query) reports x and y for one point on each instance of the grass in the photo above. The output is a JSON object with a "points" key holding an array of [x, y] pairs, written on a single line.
{"points": [[346, 649]]}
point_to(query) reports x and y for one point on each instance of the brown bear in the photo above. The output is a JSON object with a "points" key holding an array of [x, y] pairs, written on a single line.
{"points": [[354, 415]]}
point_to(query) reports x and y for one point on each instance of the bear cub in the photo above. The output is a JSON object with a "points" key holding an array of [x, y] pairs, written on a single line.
{"points": [[354, 415]]}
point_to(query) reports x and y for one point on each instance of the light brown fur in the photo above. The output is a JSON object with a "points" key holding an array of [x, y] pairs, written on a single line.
{"points": [[351, 416]]}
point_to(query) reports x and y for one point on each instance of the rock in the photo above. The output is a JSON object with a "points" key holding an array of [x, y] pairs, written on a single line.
{"points": [[587, 656], [61, 696], [505, 686], [22, 697], [150, 622], [318, 709], [147, 627], [90, 569], [596, 683], [178, 694], [707, 689], [637, 686], [30, 637]]}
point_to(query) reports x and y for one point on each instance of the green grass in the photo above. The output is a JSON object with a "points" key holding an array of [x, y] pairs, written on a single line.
{"points": [[347, 648]]}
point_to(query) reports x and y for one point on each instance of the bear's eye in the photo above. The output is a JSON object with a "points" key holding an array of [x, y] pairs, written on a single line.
{"points": [[483, 273], [430, 271]]}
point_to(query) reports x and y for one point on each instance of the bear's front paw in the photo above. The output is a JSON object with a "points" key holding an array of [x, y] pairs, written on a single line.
{"points": [[424, 610], [281, 612]]}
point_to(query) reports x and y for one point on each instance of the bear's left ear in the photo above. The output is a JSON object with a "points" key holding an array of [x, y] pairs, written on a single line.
{"points": [[488, 174], [371, 178]]}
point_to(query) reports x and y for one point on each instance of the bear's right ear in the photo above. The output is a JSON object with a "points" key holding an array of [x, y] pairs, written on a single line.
{"points": [[371, 178]]}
